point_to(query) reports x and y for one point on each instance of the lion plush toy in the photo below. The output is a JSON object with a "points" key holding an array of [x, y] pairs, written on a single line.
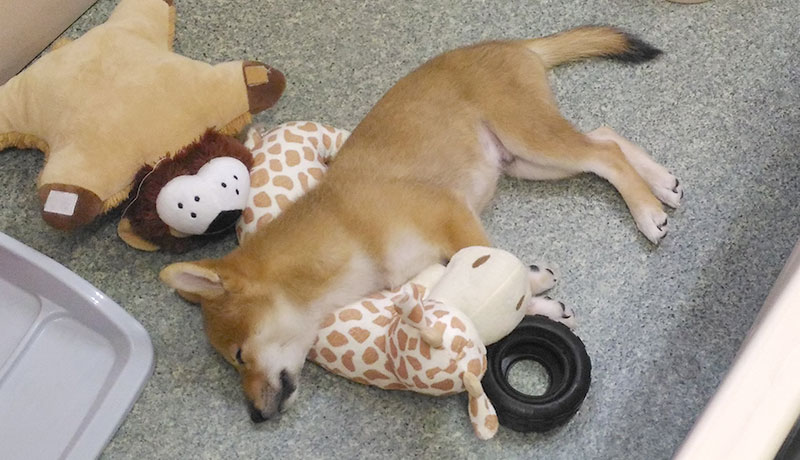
{"points": [[117, 99]]}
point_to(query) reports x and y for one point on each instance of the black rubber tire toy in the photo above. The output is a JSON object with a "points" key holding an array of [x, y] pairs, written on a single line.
{"points": [[563, 356]]}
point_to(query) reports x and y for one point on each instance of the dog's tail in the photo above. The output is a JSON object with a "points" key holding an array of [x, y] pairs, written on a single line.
{"points": [[591, 41]]}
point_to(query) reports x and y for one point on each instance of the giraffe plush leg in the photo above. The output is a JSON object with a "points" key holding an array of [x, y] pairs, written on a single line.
{"points": [[409, 301], [481, 412], [153, 20]]}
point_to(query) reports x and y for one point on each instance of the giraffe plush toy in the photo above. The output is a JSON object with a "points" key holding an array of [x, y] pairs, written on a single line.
{"points": [[402, 339]]}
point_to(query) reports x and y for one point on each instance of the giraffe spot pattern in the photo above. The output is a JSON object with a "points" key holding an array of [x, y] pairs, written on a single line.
{"points": [[292, 158], [392, 349], [314, 141], [350, 314], [419, 383], [248, 215], [458, 344], [458, 324], [312, 354], [310, 127], [360, 380], [283, 202], [337, 339], [382, 321], [443, 385], [425, 349], [328, 320], [303, 177], [283, 181], [439, 313], [259, 178], [309, 154], [275, 149], [359, 334], [474, 367], [452, 367], [339, 140], [347, 360], [258, 141], [402, 339], [491, 422], [326, 141], [416, 314], [294, 138], [262, 200], [414, 362], [275, 165], [380, 342], [395, 386], [272, 138], [412, 343], [431, 373], [316, 173], [369, 356], [370, 306], [328, 355], [402, 372], [372, 374], [329, 128], [264, 220], [258, 159], [473, 407]]}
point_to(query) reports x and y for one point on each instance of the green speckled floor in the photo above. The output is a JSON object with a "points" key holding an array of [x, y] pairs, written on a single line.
{"points": [[721, 109]]}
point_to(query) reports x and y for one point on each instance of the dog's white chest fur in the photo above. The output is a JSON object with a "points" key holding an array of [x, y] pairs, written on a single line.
{"points": [[406, 254]]}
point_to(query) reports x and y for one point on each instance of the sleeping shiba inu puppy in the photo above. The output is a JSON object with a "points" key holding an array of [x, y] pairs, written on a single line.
{"points": [[405, 192]]}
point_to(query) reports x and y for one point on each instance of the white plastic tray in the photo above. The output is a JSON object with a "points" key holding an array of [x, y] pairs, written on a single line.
{"points": [[72, 362]]}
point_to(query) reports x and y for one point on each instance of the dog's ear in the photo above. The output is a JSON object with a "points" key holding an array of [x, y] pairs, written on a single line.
{"points": [[194, 281]]}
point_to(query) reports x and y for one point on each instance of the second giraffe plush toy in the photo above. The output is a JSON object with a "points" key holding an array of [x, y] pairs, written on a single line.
{"points": [[403, 339]]}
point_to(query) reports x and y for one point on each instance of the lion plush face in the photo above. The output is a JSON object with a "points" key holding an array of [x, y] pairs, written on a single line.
{"points": [[207, 202], [184, 200]]}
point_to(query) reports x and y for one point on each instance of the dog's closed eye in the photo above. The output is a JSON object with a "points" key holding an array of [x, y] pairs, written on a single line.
{"points": [[239, 356]]}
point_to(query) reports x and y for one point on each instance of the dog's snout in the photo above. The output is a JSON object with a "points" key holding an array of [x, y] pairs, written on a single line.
{"points": [[275, 399], [223, 221]]}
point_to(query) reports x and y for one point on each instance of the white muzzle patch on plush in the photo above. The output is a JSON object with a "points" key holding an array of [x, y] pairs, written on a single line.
{"points": [[207, 202]]}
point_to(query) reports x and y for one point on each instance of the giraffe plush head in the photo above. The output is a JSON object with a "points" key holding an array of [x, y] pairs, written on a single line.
{"points": [[398, 340]]}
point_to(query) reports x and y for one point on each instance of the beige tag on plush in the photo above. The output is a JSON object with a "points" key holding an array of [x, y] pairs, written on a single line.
{"points": [[255, 75], [59, 202]]}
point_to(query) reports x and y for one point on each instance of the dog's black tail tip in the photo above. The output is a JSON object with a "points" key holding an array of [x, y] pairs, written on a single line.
{"points": [[637, 50]]}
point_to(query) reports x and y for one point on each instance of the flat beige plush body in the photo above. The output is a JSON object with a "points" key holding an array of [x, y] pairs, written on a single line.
{"points": [[405, 192]]}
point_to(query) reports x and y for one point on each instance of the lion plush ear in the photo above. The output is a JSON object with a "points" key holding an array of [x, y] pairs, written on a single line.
{"points": [[194, 281]]}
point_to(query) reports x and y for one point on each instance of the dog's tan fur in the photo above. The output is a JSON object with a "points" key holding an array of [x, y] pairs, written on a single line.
{"points": [[404, 192]]}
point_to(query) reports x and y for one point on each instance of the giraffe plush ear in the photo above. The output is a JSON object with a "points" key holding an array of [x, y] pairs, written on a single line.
{"points": [[194, 281]]}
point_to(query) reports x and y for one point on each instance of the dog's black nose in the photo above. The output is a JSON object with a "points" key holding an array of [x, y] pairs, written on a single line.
{"points": [[223, 221], [255, 415]]}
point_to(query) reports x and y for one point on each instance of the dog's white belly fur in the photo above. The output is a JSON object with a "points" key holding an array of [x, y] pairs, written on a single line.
{"points": [[483, 177]]}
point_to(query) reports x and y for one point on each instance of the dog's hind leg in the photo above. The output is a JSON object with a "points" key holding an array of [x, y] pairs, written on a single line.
{"points": [[664, 185]]}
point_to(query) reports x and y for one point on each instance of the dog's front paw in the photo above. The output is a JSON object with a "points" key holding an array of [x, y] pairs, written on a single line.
{"points": [[542, 279], [552, 309]]}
